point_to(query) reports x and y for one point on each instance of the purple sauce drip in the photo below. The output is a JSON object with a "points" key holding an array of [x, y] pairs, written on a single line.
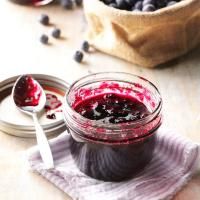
{"points": [[51, 116], [51, 105]]}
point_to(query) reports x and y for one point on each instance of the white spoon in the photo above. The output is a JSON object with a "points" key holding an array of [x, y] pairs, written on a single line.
{"points": [[29, 97]]}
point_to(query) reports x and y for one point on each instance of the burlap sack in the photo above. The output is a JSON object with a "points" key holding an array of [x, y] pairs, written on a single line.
{"points": [[146, 39]]}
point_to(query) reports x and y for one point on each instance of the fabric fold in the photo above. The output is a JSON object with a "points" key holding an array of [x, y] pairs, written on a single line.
{"points": [[175, 160]]}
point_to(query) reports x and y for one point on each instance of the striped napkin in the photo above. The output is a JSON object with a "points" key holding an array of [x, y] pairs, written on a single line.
{"points": [[175, 160]]}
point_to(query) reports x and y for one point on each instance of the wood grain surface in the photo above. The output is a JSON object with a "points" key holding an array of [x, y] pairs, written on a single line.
{"points": [[21, 52]]}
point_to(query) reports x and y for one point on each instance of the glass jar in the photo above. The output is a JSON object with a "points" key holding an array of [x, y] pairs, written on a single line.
{"points": [[33, 2], [107, 151]]}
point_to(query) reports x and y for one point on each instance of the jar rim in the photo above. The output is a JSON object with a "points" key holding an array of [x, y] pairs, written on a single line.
{"points": [[98, 124]]}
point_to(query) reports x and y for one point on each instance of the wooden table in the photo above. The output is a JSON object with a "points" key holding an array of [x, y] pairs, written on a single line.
{"points": [[21, 52]]}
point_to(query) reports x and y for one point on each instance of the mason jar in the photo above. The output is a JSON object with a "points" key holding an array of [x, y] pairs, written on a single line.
{"points": [[112, 151]]}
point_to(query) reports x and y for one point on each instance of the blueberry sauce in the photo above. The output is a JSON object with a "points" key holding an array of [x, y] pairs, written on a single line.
{"points": [[51, 116], [116, 136], [116, 161], [52, 102], [112, 162], [112, 108], [27, 92], [51, 106]]}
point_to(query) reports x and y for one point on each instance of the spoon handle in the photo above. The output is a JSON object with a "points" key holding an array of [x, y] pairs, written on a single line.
{"points": [[43, 144]]}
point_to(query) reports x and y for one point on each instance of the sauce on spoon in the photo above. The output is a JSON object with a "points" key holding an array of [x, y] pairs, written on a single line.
{"points": [[27, 92]]}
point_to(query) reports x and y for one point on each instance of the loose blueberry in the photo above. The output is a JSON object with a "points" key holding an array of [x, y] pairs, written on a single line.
{"points": [[67, 4], [44, 19], [78, 56], [44, 39], [56, 33], [85, 46]]}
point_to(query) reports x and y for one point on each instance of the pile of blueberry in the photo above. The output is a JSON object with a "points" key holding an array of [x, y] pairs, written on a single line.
{"points": [[140, 5]]}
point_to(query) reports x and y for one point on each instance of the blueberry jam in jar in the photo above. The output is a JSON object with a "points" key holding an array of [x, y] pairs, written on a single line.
{"points": [[113, 119]]}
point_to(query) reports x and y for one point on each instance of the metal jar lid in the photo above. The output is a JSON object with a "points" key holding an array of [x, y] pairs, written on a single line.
{"points": [[16, 123]]}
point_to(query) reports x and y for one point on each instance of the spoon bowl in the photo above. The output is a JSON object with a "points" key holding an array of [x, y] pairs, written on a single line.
{"points": [[30, 98]]}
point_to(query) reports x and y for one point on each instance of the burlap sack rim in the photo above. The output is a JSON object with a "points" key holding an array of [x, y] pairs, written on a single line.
{"points": [[163, 13], [160, 15]]}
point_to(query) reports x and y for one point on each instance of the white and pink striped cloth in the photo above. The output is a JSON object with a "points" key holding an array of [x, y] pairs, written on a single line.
{"points": [[175, 160]]}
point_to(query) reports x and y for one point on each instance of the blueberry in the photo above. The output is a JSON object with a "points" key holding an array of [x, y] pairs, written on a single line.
{"points": [[138, 5], [78, 56], [161, 3], [121, 4], [148, 8], [78, 2], [56, 32], [44, 39], [85, 46], [145, 2], [109, 1], [68, 4], [44, 19], [114, 5], [131, 2], [171, 3]]}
